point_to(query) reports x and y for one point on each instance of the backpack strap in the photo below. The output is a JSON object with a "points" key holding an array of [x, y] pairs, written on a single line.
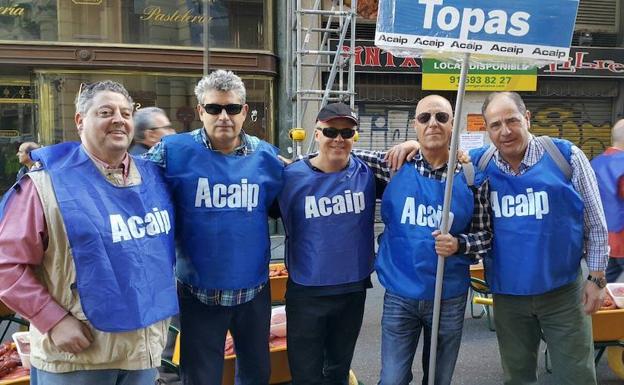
{"points": [[469, 173], [556, 155], [485, 158]]}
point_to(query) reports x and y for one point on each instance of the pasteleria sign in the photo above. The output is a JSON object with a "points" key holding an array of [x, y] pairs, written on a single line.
{"points": [[440, 75], [521, 29]]}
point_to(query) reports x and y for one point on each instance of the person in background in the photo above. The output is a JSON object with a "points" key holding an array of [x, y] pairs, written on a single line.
{"points": [[23, 156], [150, 125], [609, 169]]}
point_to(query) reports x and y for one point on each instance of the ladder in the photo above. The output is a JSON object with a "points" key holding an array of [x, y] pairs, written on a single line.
{"points": [[312, 52]]}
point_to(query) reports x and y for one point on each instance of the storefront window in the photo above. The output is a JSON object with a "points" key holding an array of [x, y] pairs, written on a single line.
{"points": [[16, 127], [235, 24], [174, 94]]}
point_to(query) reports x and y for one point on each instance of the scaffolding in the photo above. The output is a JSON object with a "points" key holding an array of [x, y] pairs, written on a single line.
{"points": [[312, 25]]}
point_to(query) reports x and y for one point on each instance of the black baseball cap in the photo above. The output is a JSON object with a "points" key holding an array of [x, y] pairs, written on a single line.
{"points": [[336, 111]]}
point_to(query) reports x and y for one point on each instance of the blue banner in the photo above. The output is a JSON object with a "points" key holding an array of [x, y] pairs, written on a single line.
{"points": [[535, 29]]}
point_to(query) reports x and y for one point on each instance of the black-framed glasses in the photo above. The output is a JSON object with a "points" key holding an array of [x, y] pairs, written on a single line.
{"points": [[332, 132], [425, 117], [230, 109]]}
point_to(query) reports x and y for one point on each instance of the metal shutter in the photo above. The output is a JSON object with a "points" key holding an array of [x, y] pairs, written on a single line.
{"points": [[583, 121], [598, 16], [383, 125]]}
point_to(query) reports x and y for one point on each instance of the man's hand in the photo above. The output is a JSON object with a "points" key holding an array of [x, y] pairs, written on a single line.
{"points": [[592, 297], [71, 335], [286, 161], [462, 156], [445, 244], [401, 153]]}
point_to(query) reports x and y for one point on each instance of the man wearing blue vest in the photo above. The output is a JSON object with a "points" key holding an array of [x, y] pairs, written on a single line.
{"points": [[223, 182], [328, 195], [547, 215], [609, 168], [87, 252], [408, 252]]}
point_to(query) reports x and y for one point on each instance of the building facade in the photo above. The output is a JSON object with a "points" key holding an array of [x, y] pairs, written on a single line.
{"points": [[578, 100], [153, 47]]}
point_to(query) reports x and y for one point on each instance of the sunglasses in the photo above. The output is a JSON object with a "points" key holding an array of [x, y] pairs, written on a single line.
{"points": [[332, 132], [425, 117], [230, 109]]}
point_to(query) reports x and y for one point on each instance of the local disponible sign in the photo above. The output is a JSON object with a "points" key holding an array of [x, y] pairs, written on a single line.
{"points": [[523, 29], [439, 75]]}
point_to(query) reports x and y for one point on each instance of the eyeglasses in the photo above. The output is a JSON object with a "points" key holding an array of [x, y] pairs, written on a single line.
{"points": [[332, 132], [230, 109], [167, 127], [425, 117]]}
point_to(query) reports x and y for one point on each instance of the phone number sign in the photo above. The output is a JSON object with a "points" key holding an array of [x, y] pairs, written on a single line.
{"points": [[438, 75]]}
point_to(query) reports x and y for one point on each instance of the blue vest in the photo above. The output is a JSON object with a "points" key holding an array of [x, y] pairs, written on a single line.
{"points": [[328, 219], [609, 169], [121, 239], [538, 227], [411, 209], [222, 204]]}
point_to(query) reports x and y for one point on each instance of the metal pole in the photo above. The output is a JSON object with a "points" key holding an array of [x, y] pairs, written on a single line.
{"points": [[351, 72], [444, 227], [206, 37], [299, 56]]}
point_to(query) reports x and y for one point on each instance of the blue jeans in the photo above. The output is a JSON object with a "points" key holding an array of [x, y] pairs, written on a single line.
{"points": [[90, 377], [401, 323]]}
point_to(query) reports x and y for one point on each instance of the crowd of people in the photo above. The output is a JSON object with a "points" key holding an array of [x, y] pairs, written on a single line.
{"points": [[100, 248]]}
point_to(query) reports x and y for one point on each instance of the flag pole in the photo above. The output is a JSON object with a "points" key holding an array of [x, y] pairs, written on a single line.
{"points": [[444, 227]]}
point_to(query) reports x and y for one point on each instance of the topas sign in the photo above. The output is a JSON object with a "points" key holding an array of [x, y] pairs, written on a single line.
{"points": [[519, 28], [474, 20]]}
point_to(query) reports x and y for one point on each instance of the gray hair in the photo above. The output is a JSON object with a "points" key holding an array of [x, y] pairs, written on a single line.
{"points": [[144, 120], [30, 146], [87, 92], [514, 96], [617, 134], [221, 80]]}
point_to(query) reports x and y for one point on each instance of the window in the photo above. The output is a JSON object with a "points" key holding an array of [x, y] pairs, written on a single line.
{"points": [[174, 94], [235, 24]]}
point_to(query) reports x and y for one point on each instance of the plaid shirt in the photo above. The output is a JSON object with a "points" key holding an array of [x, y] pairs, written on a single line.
{"points": [[584, 182], [478, 240], [157, 154]]}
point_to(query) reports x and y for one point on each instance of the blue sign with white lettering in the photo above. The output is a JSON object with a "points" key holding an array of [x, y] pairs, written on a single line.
{"points": [[534, 29]]}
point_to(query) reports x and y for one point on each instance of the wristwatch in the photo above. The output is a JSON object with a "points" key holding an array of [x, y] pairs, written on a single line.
{"points": [[601, 282]]}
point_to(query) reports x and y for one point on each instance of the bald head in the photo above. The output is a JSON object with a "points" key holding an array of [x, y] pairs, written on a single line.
{"points": [[434, 124], [618, 134], [437, 100], [23, 153]]}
